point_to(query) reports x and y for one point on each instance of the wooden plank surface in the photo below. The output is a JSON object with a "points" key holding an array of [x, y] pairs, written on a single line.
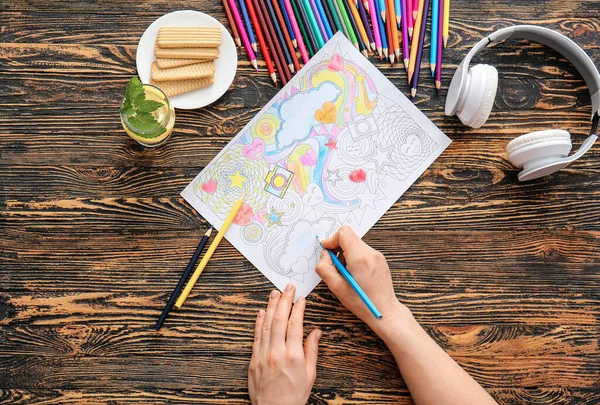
{"points": [[93, 234]]}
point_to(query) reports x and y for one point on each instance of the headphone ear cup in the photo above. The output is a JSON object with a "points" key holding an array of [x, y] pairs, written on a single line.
{"points": [[538, 148], [480, 92]]}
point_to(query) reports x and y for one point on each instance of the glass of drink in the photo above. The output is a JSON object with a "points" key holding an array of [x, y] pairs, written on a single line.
{"points": [[136, 119]]}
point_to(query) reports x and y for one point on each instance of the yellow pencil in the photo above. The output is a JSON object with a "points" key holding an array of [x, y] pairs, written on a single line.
{"points": [[209, 252], [446, 22], [415, 41]]}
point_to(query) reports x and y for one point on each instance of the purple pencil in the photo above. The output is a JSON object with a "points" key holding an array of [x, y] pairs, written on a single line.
{"points": [[438, 62], [315, 11], [415, 78], [405, 52], [365, 22]]}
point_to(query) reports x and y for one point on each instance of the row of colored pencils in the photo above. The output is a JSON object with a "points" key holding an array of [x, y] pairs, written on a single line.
{"points": [[392, 29]]}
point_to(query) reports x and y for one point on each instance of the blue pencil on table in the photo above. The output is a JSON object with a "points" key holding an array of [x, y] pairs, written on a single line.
{"points": [[346, 274], [324, 18], [398, 12], [435, 9], [382, 28], [317, 15], [288, 23], [249, 29], [381, 10], [279, 33]]}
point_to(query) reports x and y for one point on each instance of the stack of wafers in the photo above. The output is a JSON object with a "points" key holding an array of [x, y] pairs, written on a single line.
{"points": [[185, 58]]}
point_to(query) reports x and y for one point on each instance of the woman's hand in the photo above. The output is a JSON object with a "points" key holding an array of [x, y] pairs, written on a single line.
{"points": [[282, 370], [370, 270]]}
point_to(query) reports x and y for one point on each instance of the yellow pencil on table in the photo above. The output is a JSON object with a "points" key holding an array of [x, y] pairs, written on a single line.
{"points": [[209, 252]]}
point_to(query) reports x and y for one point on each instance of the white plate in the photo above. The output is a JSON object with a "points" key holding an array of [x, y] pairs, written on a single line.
{"points": [[225, 66]]}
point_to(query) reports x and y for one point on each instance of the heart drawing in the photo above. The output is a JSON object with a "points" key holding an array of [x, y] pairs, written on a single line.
{"points": [[244, 216], [309, 158], [336, 64], [254, 150], [327, 113], [358, 175], [210, 186]]}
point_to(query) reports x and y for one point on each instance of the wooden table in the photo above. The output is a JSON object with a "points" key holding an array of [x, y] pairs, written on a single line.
{"points": [[94, 235]]}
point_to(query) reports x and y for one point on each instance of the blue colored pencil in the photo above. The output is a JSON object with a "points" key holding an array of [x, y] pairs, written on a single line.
{"points": [[249, 29], [288, 23], [324, 18], [302, 17], [381, 9], [279, 33], [398, 13], [382, 28], [317, 15], [353, 283], [435, 9], [312, 21]]}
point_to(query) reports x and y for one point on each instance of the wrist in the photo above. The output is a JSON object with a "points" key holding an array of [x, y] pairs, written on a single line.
{"points": [[396, 323]]}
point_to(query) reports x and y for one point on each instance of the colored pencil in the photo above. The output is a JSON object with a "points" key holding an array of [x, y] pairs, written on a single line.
{"points": [[297, 33], [261, 41], [382, 30], [329, 15], [355, 286], [415, 79], [276, 51], [357, 22], [415, 9], [288, 23], [409, 17], [317, 16], [242, 31], [415, 42], [394, 28], [440, 48], [234, 31], [362, 47], [365, 23], [335, 15], [398, 9], [210, 251], [381, 6], [405, 35], [336, 10], [347, 23], [446, 22], [182, 280], [279, 34], [376, 33], [324, 19], [286, 35], [366, 5], [309, 32], [390, 35], [248, 25], [434, 29], [312, 21]]}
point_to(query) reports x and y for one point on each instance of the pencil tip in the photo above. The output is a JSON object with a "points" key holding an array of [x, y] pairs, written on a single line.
{"points": [[445, 40], [413, 93]]}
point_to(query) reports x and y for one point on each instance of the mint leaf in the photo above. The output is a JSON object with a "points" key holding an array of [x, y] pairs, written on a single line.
{"points": [[135, 89], [147, 106], [146, 122]]}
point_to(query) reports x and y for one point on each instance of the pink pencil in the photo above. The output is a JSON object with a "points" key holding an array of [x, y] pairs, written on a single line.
{"points": [[415, 9], [244, 35], [376, 33], [297, 33]]}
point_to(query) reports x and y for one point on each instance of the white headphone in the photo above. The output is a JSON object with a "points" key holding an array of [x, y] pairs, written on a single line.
{"points": [[472, 92]]}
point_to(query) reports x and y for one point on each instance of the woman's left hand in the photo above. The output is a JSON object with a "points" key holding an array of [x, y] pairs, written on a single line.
{"points": [[282, 370]]}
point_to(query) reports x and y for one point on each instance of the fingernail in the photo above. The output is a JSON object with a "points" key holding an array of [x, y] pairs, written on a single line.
{"points": [[274, 294], [319, 334], [289, 287], [300, 299], [261, 313]]}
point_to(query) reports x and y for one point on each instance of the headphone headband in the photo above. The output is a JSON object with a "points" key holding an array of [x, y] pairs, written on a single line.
{"points": [[545, 36]]}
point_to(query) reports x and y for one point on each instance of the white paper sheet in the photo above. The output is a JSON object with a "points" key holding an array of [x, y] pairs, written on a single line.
{"points": [[337, 145]]}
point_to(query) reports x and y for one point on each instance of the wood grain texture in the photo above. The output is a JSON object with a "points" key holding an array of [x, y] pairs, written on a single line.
{"points": [[94, 235]]}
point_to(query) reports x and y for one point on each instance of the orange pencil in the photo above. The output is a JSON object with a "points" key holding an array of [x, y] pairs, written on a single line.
{"points": [[361, 28], [394, 27], [415, 41]]}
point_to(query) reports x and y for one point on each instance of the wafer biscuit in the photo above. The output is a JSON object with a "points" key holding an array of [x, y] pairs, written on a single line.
{"points": [[171, 63], [202, 30], [187, 42], [186, 53], [194, 71], [174, 87]]}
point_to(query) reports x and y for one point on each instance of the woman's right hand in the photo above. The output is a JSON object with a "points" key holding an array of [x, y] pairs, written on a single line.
{"points": [[370, 270]]}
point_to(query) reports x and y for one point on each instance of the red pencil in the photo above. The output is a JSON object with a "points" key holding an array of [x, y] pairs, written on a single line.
{"points": [[284, 73], [261, 41], [234, 31], [286, 34]]}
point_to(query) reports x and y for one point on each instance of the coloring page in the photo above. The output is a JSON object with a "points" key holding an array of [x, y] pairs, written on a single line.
{"points": [[338, 145]]}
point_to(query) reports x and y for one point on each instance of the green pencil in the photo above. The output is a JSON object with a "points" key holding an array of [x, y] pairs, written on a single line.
{"points": [[347, 23], [300, 22], [339, 26], [314, 27]]}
